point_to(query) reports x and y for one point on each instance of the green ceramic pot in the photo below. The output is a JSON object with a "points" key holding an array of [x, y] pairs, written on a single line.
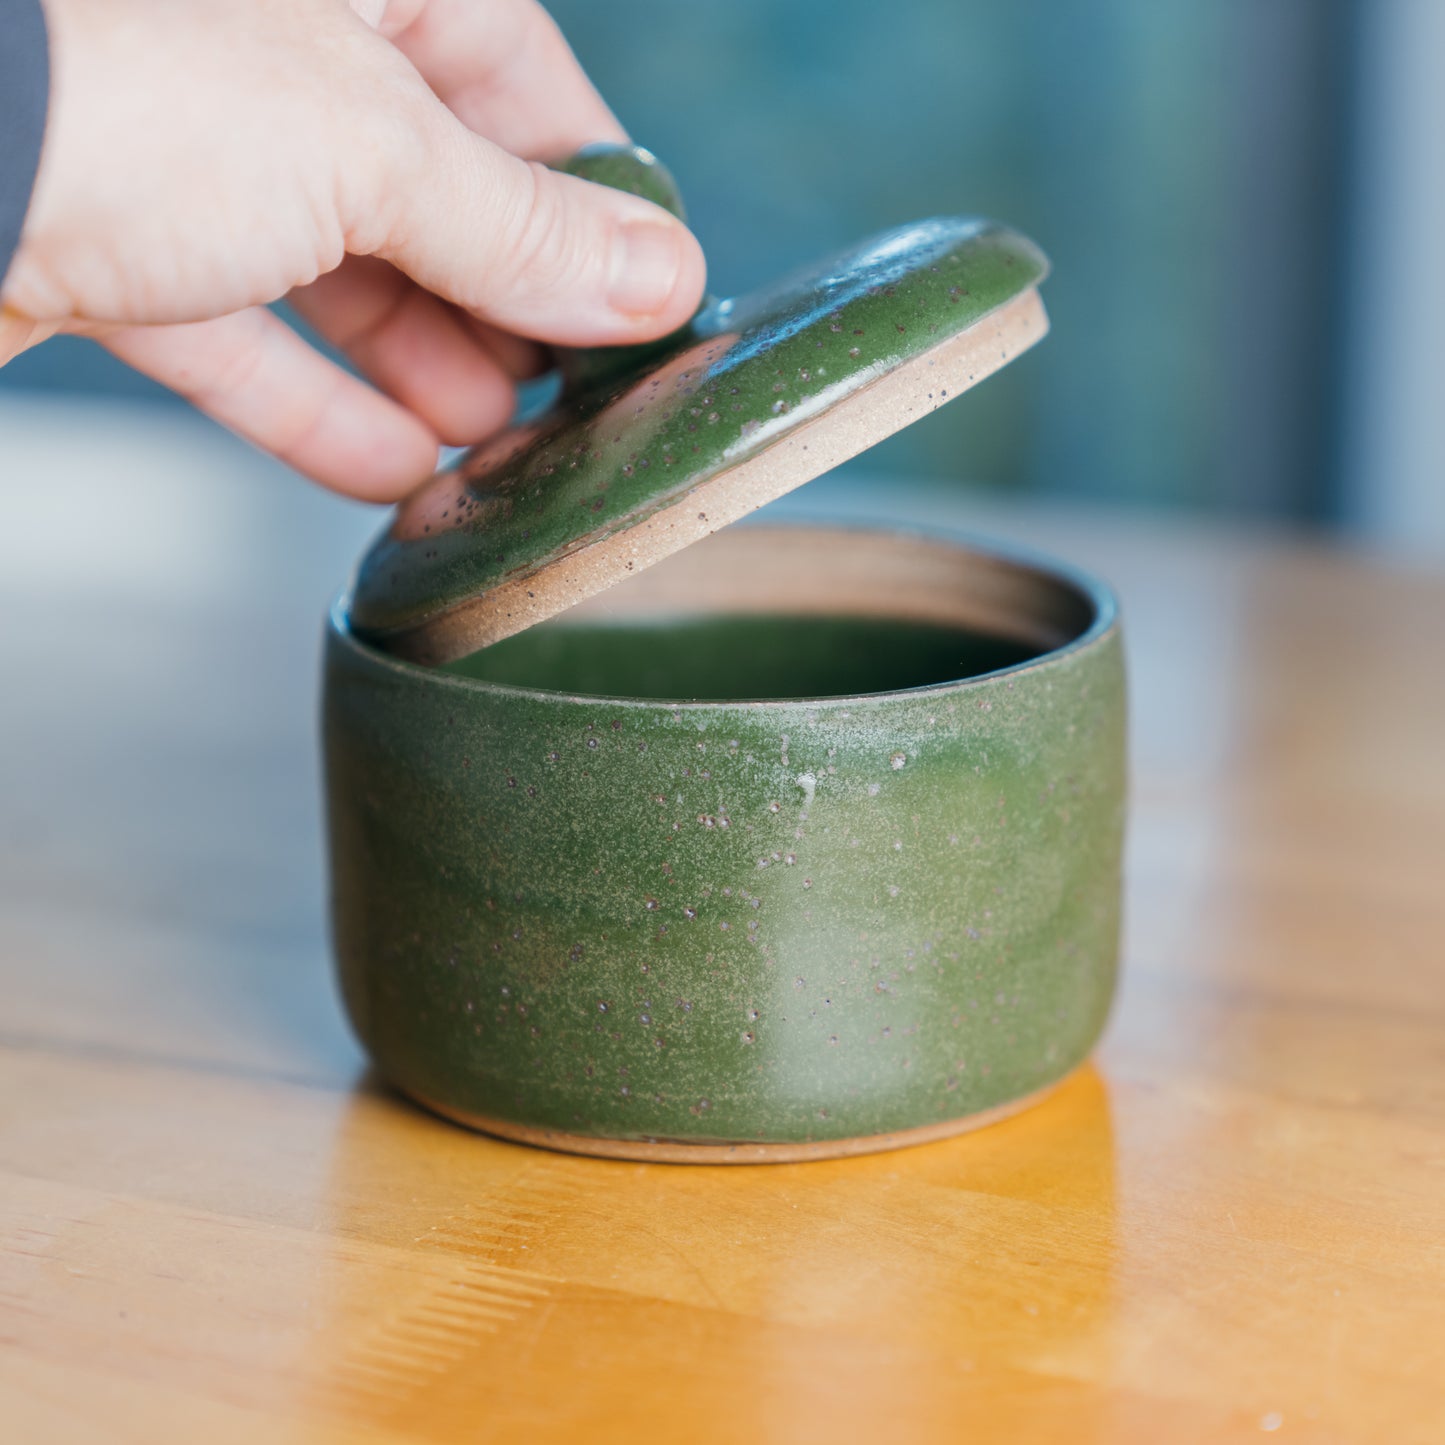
{"points": [[803, 842]]}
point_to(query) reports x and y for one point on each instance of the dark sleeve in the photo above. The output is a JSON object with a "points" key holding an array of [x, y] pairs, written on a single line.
{"points": [[24, 93]]}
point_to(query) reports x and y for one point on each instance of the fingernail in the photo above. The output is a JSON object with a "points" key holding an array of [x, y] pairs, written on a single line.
{"points": [[644, 268]]}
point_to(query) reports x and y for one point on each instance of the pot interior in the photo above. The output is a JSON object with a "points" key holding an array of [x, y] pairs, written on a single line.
{"points": [[764, 613]]}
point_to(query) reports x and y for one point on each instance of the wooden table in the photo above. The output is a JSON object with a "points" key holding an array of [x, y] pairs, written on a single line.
{"points": [[215, 1227]]}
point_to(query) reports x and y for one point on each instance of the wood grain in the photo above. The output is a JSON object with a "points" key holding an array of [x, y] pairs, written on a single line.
{"points": [[214, 1225]]}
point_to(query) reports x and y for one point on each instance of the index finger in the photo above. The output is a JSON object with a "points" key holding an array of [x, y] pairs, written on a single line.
{"points": [[504, 69]]}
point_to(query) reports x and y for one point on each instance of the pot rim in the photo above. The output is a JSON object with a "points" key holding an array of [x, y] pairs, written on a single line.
{"points": [[1095, 593]]}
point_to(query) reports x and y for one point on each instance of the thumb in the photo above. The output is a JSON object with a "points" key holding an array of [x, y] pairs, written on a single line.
{"points": [[536, 252]]}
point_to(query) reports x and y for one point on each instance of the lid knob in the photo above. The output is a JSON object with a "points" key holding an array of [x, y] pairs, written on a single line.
{"points": [[637, 171], [627, 168]]}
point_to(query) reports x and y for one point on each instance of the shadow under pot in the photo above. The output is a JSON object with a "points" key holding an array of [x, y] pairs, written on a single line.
{"points": [[805, 842]]}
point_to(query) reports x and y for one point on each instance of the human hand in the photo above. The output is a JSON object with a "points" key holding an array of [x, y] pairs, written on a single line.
{"points": [[376, 162]]}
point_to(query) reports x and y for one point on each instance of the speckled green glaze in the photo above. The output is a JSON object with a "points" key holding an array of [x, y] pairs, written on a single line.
{"points": [[780, 921], [642, 426]]}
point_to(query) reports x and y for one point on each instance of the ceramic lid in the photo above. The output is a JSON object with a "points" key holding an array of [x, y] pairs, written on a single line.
{"points": [[649, 448]]}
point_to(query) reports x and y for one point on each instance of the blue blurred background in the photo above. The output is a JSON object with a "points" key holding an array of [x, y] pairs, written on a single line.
{"points": [[1242, 200]]}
